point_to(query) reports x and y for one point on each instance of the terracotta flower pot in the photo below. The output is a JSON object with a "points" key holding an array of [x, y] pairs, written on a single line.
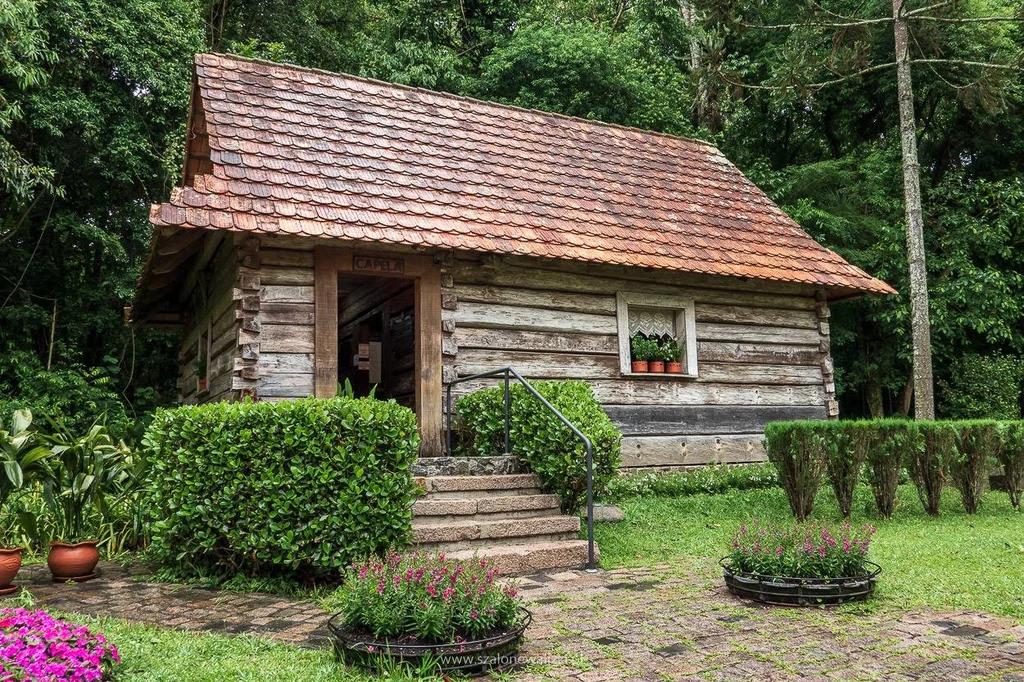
{"points": [[674, 367], [202, 385], [10, 564], [639, 366], [656, 366], [73, 562]]}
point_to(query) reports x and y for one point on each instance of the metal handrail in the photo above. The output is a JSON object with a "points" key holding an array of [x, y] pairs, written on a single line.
{"points": [[508, 373]]}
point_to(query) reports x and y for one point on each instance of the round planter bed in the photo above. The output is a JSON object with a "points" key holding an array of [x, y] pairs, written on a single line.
{"points": [[786, 591], [497, 650]]}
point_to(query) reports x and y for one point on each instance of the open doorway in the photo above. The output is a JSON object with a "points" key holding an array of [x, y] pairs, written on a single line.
{"points": [[377, 336]]}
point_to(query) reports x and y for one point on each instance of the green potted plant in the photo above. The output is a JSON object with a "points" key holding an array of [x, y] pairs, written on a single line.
{"points": [[83, 469], [201, 374], [656, 362], [640, 347], [23, 456], [672, 354]]}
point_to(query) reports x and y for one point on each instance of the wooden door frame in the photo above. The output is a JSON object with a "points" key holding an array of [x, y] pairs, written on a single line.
{"points": [[329, 262]]}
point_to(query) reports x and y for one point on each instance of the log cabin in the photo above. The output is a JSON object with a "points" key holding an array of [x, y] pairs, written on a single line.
{"points": [[330, 228]]}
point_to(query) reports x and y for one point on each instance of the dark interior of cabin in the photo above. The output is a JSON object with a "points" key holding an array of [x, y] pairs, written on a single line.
{"points": [[377, 336]]}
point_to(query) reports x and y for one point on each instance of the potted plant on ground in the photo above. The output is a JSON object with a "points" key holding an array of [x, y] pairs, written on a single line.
{"points": [[640, 347], [22, 456], [83, 469], [427, 610], [672, 354], [803, 565]]}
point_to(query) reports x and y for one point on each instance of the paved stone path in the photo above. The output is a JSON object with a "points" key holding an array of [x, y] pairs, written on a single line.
{"points": [[646, 624]]}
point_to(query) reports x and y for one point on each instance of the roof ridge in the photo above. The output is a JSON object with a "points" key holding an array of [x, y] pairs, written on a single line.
{"points": [[464, 98]]}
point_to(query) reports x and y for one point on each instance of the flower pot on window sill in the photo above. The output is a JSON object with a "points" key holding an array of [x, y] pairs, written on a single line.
{"points": [[674, 367], [656, 367], [639, 366], [10, 564], [201, 385], [73, 561]]}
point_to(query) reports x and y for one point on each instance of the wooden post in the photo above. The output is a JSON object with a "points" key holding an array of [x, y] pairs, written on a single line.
{"points": [[325, 310], [428, 361]]}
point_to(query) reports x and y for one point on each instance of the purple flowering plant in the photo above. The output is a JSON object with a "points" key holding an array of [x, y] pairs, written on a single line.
{"points": [[36, 647], [807, 550], [428, 598]]}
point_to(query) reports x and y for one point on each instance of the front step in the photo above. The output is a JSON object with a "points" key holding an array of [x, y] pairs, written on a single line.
{"points": [[503, 518], [445, 511], [532, 558], [472, 534]]}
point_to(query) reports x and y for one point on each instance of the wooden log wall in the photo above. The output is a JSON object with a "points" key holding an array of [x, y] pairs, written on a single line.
{"points": [[762, 351]]}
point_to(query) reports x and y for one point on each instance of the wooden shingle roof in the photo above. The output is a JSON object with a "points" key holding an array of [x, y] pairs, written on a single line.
{"points": [[303, 152]]}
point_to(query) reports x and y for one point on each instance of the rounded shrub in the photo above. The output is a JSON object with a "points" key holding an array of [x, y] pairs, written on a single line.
{"points": [[540, 440], [294, 489]]}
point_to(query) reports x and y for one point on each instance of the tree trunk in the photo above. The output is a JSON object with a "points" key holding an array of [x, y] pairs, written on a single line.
{"points": [[874, 396], [924, 397]]}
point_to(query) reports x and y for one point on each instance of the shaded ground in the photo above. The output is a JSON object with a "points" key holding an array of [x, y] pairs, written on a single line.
{"points": [[649, 624]]}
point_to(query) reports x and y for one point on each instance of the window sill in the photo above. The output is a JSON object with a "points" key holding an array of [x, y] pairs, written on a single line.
{"points": [[657, 375]]}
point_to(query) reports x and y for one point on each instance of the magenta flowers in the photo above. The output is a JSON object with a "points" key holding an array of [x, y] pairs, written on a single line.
{"points": [[809, 550], [427, 597], [36, 647]]}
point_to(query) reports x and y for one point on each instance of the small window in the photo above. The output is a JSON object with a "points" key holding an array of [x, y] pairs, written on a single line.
{"points": [[656, 330]]}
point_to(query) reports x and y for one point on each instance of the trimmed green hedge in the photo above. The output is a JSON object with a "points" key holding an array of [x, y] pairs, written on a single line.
{"points": [[293, 489], [540, 440], [934, 452]]}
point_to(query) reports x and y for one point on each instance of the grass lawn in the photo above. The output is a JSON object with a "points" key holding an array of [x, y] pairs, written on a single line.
{"points": [[953, 561]]}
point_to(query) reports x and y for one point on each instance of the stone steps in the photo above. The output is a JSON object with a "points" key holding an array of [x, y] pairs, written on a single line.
{"points": [[503, 517]]}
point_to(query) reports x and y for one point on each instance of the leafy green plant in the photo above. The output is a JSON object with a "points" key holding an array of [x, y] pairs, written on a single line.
{"points": [[710, 479], [428, 597], [82, 475], [542, 442], [1011, 455], [929, 461], [975, 448], [810, 550], [797, 449], [890, 443], [845, 447], [669, 350], [643, 348], [293, 489], [23, 456]]}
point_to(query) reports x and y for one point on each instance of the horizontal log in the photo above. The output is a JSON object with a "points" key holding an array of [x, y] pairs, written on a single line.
{"points": [[641, 392], [514, 339], [285, 363], [286, 258], [689, 420], [655, 451], [538, 298], [286, 294], [287, 313], [538, 365], [772, 354], [491, 316], [279, 338], [285, 386], [472, 272], [290, 276], [714, 331], [772, 317]]}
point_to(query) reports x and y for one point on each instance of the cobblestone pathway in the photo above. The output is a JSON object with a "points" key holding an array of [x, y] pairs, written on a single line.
{"points": [[650, 624]]}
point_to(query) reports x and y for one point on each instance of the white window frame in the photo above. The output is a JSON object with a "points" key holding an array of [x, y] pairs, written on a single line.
{"points": [[686, 323]]}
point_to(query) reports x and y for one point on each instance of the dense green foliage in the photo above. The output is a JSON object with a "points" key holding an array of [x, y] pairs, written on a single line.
{"points": [[541, 441], [984, 387], [295, 489], [93, 99], [713, 478], [961, 452]]}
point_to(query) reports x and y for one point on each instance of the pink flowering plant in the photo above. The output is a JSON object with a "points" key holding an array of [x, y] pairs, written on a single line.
{"points": [[36, 647], [427, 598], [808, 550]]}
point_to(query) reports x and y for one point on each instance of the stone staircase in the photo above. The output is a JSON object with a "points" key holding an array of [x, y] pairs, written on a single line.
{"points": [[504, 517]]}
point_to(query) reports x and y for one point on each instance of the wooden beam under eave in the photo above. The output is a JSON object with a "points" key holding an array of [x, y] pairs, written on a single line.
{"points": [[325, 314], [181, 239], [428, 361]]}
